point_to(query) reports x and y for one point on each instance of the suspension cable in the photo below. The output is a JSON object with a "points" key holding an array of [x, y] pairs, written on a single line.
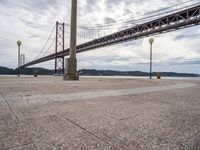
{"points": [[134, 21], [45, 43], [50, 46]]}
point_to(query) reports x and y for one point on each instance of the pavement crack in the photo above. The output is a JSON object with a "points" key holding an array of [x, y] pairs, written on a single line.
{"points": [[9, 107], [189, 138], [18, 121], [84, 129], [21, 146]]}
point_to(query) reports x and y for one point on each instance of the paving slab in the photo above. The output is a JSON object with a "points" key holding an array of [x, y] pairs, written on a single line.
{"points": [[99, 113]]}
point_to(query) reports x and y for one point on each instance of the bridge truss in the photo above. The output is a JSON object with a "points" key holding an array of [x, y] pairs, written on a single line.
{"points": [[175, 21]]}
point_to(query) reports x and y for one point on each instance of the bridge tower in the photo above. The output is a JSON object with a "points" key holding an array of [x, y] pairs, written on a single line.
{"points": [[71, 62], [59, 46]]}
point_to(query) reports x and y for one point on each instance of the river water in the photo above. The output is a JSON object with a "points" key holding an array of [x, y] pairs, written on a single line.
{"points": [[115, 77]]}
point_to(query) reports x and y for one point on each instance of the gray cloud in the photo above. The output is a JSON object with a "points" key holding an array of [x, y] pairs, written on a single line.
{"points": [[187, 36], [32, 22]]}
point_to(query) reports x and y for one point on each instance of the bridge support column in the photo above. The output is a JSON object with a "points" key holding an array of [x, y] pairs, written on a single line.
{"points": [[71, 63], [19, 43], [70, 72]]}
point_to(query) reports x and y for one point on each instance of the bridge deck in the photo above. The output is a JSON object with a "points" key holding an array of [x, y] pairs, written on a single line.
{"points": [[178, 20]]}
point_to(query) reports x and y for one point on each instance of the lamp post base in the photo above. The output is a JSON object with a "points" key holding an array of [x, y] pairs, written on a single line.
{"points": [[71, 67], [18, 72]]}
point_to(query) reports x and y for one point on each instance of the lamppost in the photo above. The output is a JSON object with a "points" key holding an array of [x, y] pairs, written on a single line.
{"points": [[19, 43], [151, 40]]}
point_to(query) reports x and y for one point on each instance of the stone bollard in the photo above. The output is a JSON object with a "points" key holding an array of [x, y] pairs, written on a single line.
{"points": [[158, 75], [35, 73]]}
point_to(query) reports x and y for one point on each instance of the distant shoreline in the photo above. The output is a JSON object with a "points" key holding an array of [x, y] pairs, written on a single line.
{"points": [[93, 72], [112, 77]]}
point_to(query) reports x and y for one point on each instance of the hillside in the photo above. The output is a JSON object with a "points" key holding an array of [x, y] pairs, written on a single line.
{"points": [[93, 72], [26, 71], [6, 71]]}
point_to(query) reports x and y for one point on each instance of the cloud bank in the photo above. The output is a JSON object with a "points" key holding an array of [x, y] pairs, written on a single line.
{"points": [[32, 21]]}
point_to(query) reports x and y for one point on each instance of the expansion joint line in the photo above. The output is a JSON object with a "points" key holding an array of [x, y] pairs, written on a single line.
{"points": [[31, 142], [69, 120], [189, 138], [9, 106]]}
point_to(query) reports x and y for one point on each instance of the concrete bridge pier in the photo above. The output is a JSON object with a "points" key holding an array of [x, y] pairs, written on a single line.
{"points": [[71, 62], [19, 43], [71, 69]]}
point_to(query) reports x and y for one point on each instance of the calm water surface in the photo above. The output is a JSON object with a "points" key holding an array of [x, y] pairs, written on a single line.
{"points": [[114, 77]]}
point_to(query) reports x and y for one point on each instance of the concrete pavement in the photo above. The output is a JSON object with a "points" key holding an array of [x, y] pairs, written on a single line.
{"points": [[99, 113]]}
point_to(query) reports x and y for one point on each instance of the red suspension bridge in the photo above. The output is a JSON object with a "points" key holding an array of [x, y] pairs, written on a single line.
{"points": [[183, 16]]}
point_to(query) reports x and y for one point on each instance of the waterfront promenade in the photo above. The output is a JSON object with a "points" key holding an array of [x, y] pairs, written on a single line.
{"points": [[99, 113]]}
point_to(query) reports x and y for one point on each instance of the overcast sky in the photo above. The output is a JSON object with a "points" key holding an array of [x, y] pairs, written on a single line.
{"points": [[31, 21]]}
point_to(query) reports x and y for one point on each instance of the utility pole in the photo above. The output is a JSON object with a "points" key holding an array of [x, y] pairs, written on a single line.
{"points": [[71, 62], [22, 59], [19, 43]]}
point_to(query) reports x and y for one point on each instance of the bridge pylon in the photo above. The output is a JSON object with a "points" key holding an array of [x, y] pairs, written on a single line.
{"points": [[71, 62], [59, 46]]}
